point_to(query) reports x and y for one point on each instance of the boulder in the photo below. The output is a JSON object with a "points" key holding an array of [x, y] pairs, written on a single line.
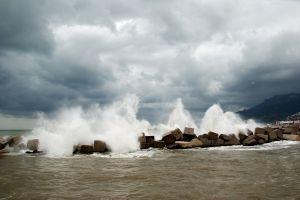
{"points": [[33, 145], [262, 136], [150, 140], [172, 136], [212, 135], [184, 144], [250, 141], [261, 141], [144, 145], [220, 142], [142, 138], [99, 146], [224, 137], [249, 132], [159, 144], [196, 142], [173, 146], [188, 130], [279, 134], [2, 146], [205, 142], [269, 129], [273, 135], [15, 140], [242, 136], [188, 134], [232, 140], [291, 137], [290, 130], [259, 130], [86, 149]]}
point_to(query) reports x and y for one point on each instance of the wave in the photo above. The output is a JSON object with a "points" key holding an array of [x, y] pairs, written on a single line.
{"points": [[117, 124]]}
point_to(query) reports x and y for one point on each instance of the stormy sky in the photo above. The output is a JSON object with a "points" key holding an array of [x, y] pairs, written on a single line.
{"points": [[64, 53]]}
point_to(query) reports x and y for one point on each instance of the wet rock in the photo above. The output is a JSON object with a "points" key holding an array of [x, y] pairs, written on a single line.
{"points": [[269, 129], [159, 144], [291, 137], [212, 135], [184, 144], [144, 145], [279, 134], [15, 140], [232, 140], [262, 136], [259, 130], [33, 145], [224, 137], [196, 142], [290, 130], [142, 138], [2, 146], [261, 141], [173, 146], [86, 149], [242, 136], [188, 134], [172, 136], [273, 135], [249, 132], [250, 141], [220, 142], [150, 140], [205, 142], [99, 146]]}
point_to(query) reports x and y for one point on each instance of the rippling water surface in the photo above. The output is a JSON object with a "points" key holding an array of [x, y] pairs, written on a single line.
{"points": [[270, 171]]}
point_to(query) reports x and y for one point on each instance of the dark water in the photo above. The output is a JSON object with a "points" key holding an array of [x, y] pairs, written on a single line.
{"points": [[220, 173]]}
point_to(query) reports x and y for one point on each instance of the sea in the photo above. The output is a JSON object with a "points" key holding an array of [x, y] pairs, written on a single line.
{"points": [[269, 171]]}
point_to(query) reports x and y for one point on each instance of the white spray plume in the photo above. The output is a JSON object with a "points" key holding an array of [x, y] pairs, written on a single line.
{"points": [[215, 119], [118, 126]]}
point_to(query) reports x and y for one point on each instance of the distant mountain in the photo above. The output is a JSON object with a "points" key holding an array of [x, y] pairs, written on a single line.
{"points": [[275, 108]]}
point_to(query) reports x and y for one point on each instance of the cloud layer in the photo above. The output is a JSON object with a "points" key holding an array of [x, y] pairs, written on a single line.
{"points": [[236, 53]]}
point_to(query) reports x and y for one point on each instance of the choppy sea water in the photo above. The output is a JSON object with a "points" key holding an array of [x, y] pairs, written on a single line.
{"points": [[270, 171]]}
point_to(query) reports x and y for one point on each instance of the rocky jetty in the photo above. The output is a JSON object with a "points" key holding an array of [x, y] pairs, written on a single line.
{"points": [[174, 139]]}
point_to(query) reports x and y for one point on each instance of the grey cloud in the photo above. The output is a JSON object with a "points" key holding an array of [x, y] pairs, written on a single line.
{"points": [[56, 53]]}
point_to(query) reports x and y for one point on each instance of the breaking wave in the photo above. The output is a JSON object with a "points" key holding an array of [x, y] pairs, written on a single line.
{"points": [[117, 124]]}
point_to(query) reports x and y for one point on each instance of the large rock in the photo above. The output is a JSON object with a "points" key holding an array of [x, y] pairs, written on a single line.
{"points": [[144, 145], [99, 146], [159, 144], [242, 136], [196, 142], [250, 141], [150, 140], [184, 144], [86, 149], [290, 130], [205, 141], [2, 146], [174, 146], [273, 135], [212, 135], [14, 141], [188, 134], [220, 142], [232, 140], [291, 137], [261, 141], [259, 130], [262, 136], [172, 136], [33, 145], [279, 134], [142, 138], [224, 137], [269, 129]]}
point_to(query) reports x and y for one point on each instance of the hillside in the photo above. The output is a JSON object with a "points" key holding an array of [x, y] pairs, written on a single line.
{"points": [[275, 108]]}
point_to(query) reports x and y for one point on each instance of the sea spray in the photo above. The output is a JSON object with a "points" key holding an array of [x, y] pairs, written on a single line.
{"points": [[118, 126], [215, 119]]}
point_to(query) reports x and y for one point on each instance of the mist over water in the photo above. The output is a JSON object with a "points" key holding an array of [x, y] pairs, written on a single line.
{"points": [[118, 126]]}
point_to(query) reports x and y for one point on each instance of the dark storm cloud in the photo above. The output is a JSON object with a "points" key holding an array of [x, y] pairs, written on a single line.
{"points": [[236, 53]]}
